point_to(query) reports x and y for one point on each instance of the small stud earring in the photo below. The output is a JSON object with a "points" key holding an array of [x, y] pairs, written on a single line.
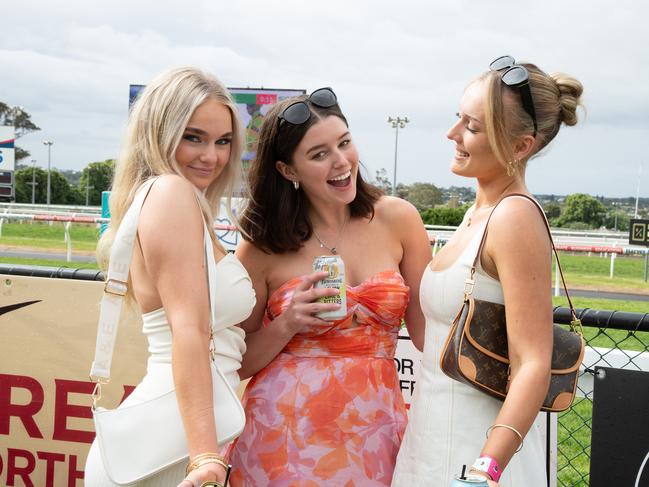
{"points": [[296, 185]]}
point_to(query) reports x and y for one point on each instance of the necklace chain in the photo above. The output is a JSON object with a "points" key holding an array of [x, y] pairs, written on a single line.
{"points": [[468, 221], [323, 245]]}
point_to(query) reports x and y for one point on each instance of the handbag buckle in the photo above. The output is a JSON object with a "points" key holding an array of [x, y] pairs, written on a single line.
{"points": [[575, 325], [468, 287], [96, 392], [116, 287]]}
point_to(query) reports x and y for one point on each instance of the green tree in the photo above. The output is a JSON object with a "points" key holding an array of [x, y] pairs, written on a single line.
{"points": [[583, 209], [442, 215], [552, 210], [61, 193], [95, 178], [24, 179], [424, 195], [21, 120], [617, 220]]}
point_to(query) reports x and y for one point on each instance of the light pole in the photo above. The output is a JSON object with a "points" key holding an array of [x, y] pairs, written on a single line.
{"points": [[49, 144], [396, 123], [88, 188], [33, 184]]}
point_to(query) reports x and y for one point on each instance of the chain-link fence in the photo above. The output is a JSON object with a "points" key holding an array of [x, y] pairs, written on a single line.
{"points": [[613, 339]]}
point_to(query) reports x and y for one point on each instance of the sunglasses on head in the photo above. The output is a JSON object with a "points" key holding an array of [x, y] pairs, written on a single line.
{"points": [[516, 76], [297, 113]]}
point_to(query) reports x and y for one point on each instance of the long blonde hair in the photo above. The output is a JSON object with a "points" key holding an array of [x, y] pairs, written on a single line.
{"points": [[155, 127]]}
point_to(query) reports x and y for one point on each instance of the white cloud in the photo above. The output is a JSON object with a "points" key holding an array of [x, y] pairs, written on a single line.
{"points": [[70, 63]]}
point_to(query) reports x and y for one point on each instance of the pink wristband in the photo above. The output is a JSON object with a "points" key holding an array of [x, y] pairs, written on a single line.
{"points": [[488, 465]]}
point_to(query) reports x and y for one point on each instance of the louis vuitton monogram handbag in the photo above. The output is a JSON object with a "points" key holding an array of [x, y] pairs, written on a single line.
{"points": [[476, 353]]}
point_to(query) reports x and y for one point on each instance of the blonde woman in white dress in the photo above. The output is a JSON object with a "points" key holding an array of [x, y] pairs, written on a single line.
{"points": [[506, 117], [184, 131]]}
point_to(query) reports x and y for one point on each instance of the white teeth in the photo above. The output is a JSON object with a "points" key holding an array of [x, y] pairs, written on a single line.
{"points": [[461, 153], [342, 177]]}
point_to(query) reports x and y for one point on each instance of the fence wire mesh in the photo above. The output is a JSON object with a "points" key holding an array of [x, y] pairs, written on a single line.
{"points": [[616, 340]]}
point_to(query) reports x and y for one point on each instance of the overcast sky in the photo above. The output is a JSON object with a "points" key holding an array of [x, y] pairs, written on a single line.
{"points": [[69, 64]]}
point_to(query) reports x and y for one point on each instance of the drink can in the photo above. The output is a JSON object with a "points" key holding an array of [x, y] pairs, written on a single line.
{"points": [[469, 482], [334, 265]]}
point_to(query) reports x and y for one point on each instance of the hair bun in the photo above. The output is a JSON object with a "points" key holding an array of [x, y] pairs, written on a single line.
{"points": [[570, 90]]}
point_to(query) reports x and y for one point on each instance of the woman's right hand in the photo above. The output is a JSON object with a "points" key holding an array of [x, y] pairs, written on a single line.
{"points": [[205, 473], [303, 307]]}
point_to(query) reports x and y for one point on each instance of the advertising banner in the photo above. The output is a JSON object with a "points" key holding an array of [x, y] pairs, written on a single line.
{"points": [[47, 338], [253, 105], [7, 148]]}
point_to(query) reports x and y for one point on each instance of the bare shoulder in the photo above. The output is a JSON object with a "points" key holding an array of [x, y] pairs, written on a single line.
{"points": [[253, 258], [171, 205], [517, 222], [396, 211], [171, 190]]}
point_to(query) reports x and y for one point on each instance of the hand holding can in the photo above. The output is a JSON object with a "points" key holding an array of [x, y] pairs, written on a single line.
{"points": [[335, 268]]}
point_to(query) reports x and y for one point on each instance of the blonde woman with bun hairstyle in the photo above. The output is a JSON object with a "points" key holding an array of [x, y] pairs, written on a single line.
{"points": [[185, 133], [506, 117]]}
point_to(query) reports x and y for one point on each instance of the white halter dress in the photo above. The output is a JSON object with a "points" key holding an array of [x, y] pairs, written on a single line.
{"points": [[234, 299]]}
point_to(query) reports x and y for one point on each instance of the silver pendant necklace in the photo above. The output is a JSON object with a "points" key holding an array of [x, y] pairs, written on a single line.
{"points": [[333, 249]]}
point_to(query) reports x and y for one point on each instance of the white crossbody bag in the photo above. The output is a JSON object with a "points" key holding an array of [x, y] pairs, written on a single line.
{"points": [[140, 440]]}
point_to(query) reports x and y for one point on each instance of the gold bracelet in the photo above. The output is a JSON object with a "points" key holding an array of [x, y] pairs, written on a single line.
{"points": [[511, 428], [198, 460]]}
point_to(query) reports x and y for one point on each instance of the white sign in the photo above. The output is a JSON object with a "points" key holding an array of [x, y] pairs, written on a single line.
{"points": [[7, 151]]}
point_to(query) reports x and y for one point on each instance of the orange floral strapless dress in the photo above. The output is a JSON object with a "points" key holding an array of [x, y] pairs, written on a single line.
{"points": [[328, 409]]}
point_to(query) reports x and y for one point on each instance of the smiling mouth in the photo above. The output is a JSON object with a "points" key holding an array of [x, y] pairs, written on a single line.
{"points": [[202, 170], [461, 154], [341, 181]]}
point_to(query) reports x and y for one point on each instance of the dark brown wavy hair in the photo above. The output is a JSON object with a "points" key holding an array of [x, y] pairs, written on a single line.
{"points": [[276, 218]]}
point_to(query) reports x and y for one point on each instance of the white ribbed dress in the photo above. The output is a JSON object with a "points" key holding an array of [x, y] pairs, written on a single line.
{"points": [[448, 419]]}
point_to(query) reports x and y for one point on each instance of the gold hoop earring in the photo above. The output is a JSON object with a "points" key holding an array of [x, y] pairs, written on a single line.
{"points": [[512, 167], [296, 185]]}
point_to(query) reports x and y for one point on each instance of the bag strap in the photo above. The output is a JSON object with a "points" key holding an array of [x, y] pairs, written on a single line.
{"points": [[470, 282], [116, 286]]}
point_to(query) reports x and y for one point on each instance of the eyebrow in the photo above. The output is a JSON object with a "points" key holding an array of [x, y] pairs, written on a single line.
{"points": [[202, 132], [472, 118], [322, 146]]}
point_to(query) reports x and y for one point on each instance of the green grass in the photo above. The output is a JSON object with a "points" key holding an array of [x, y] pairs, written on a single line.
{"points": [[593, 272], [575, 425], [52, 237], [573, 443], [606, 338], [49, 263]]}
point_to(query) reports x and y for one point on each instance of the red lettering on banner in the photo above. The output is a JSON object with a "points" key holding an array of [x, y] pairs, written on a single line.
{"points": [[25, 412], [127, 392], [50, 458], [14, 471], [63, 410], [73, 473]]}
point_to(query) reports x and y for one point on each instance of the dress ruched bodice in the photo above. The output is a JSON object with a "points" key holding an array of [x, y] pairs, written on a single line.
{"points": [[374, 311], [328, 409]]}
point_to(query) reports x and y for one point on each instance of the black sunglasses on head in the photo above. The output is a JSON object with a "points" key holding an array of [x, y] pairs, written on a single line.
{"points": [[516, 76], [297, 113]]}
